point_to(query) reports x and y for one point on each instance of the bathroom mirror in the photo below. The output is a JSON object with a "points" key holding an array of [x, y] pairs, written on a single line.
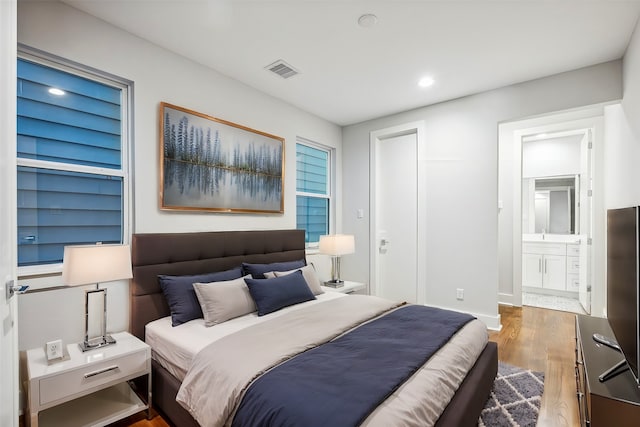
{"points": [[549, 205]]}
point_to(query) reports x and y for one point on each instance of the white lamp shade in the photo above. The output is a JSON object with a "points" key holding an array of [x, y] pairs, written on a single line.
{"points": [[83, 265], [337, 244]]}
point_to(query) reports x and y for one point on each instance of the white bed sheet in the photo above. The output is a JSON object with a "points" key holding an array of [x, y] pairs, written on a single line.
{"points": [[175, 347]]}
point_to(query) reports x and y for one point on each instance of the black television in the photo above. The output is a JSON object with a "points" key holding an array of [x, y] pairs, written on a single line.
{"points": [[623, 283]]}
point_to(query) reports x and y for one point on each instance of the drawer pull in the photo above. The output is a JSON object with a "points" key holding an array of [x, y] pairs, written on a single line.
{"points": [[100, 371]]}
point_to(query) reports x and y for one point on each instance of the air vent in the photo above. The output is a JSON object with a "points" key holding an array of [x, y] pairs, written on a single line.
{"points": [[282, 69]]}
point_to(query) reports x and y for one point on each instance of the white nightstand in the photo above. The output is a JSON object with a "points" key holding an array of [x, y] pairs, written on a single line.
{"points": [[90, 388], [348, 288]]}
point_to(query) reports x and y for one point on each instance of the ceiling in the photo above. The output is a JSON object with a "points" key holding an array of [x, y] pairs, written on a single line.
{"points": [[350, 73]]}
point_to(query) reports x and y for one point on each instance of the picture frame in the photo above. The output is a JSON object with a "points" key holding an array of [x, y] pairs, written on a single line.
{"points": [[210, 164]]}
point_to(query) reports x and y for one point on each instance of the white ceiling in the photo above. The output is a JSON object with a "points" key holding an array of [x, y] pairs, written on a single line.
{"points": [[350, 74]]}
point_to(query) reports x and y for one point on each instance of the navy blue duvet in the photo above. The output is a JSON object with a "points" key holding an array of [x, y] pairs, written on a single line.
{"points": [[340, 383]]}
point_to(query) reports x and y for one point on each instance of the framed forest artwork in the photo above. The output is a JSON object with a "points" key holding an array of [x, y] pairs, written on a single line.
{"points": [[209, 164]]}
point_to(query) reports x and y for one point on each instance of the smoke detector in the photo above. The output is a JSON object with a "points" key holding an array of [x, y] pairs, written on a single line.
{"points": [[368, 20]]}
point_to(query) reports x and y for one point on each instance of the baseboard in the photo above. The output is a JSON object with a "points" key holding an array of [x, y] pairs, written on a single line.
{"points": [[493, 322], [505, 299]]}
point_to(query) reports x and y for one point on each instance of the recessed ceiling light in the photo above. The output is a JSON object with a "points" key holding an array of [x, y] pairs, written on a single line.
{"points": [[426, 82], [368, 20], [56, 91]]}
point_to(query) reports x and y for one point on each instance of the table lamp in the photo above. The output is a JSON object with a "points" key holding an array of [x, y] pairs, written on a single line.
{"points": [[336, 245], [87, 264]]}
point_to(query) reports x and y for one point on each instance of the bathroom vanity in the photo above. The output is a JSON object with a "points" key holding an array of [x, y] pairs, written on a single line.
{"points": [[552, 264]]}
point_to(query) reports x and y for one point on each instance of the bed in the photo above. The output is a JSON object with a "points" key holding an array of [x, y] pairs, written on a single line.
{"points": [[178, 254]]}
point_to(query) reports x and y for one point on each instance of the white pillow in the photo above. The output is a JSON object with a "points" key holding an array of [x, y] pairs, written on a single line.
{"points": [[221, 301], [309, 274]]}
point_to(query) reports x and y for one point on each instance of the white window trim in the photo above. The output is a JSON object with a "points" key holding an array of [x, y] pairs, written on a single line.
{"points": [[312, 247], [126, 86], [70, 167]]}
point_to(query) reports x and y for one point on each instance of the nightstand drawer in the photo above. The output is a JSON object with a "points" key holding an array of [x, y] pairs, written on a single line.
{"points": [[87, 377]]}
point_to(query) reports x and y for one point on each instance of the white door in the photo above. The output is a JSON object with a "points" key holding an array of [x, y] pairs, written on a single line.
{"points": [[8, 305], [586, 231], [396, 217]]}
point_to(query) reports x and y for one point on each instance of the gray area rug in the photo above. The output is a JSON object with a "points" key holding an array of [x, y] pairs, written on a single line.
{"points": [[515, 398]]}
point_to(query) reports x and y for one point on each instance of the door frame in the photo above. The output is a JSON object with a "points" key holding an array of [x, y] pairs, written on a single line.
{"points": [[375, 138], [558, 125], [9, 382]]}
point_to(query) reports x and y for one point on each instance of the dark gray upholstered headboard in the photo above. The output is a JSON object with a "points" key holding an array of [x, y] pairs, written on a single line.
{"points": [[196, 253]]}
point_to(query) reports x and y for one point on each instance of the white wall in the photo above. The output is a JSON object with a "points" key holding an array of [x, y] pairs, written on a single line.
{"points": [[551, 157], [462, 188], [631, 84], [622, 160], [622, 151], [622, 155], [158, 75]]}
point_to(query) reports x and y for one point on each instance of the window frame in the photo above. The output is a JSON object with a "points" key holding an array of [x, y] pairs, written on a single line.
{"points": [[126, 124], [330, 196]]}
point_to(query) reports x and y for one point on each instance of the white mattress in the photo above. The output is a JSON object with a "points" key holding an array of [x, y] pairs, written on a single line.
{"points": [[175, 347]]}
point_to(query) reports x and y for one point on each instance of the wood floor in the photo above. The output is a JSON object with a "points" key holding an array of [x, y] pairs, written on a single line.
{"points": [[532, 338], [543, 340]]}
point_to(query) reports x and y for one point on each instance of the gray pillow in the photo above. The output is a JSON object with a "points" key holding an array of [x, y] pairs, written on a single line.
{"points": [[221, 301], [309, 274], [179, 293], [257, 270]]}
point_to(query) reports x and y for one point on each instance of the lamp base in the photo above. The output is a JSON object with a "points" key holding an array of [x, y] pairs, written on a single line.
{"points": [[98, 342], [334, 283]]}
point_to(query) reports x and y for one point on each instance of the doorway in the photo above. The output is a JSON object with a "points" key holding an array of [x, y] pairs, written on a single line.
{"points": [[581, 263], [397, 207], [556, 219]]}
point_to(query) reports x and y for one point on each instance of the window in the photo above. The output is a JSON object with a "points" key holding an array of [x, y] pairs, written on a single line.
{"points": [[71, 148], [313, 190]]}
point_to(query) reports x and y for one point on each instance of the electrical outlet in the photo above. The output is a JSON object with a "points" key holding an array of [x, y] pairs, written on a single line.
{"points": [[54, 349], [460, 294]]}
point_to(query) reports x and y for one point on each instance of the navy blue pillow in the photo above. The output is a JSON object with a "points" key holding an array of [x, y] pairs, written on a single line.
{"points": [[273, 294], [181, 297], [257, 270]]}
